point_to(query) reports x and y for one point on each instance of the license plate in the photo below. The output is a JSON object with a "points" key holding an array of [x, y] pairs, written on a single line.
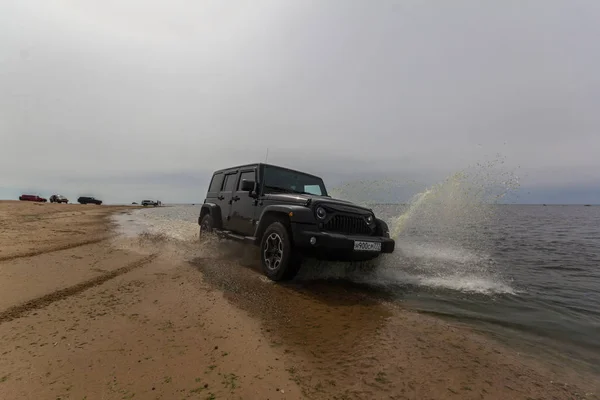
{"points": [[367, 246]]}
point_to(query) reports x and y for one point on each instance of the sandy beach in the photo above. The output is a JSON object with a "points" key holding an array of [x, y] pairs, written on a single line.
{"points": [[88, 314]]}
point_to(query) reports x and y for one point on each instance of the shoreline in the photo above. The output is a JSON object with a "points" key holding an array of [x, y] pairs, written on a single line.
{"points": [[116, 317]]}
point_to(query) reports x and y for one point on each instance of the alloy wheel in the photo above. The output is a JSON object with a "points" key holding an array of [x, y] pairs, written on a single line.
{"points": [[273, 251]]}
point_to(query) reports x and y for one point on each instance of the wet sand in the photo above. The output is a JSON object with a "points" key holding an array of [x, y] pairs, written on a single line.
{"points": [[87, 314], [346, 341]]}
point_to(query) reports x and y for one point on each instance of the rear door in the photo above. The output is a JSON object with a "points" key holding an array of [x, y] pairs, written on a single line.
{"points": [[225, 195], [243, 207]]}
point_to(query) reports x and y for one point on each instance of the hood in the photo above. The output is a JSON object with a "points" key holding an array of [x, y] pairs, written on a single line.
{"points": [[302, 199]]}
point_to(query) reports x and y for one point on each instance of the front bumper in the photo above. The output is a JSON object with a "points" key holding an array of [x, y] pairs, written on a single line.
{"points": [[334, 242]]}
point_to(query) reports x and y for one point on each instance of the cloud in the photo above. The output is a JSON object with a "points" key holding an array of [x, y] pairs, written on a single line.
{"points": [[147, 91]]}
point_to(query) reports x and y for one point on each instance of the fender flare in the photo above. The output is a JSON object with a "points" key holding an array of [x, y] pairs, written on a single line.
{"points": [[214, 210], [382, 228], [288, 213]]}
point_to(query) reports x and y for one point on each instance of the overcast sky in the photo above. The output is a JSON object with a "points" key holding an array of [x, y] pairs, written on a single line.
{"points": [[139, 98]]}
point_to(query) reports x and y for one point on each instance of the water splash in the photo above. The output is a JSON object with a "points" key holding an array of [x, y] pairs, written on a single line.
{"points": [[398, 223], [462, 201], [441, 234]]}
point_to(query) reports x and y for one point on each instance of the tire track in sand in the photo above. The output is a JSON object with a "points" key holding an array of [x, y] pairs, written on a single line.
{"points": [[66, 246], [42, 301]]}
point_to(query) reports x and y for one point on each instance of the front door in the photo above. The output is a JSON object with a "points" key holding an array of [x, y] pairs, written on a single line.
{"points": [[224, 198], [243, 207]]}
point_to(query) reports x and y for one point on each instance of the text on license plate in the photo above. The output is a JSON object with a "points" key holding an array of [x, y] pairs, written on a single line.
{"points": [[367, 246]]}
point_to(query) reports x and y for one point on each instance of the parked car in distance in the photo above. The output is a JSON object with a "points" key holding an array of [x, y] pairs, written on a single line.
{"points": [[88, 200], [32, 197], [289, 214], [58, 198], [154, 203]]}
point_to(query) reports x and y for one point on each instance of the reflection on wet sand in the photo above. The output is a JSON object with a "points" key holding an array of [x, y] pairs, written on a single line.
{"points": [[328, 327], [347, 340]]}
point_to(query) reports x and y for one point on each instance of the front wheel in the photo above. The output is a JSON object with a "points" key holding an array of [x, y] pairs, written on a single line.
{"points": [[277, 255]]}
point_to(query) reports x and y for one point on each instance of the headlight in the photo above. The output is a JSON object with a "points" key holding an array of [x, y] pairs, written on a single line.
{"points": [[370, 219], [321, 213]]}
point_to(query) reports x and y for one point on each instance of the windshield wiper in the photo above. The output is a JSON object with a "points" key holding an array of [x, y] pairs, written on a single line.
{"points": [[278, 188]]}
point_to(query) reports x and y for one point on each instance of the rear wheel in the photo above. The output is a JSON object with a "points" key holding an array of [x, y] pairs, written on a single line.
{"points": [[277, 255], [207, 225]]}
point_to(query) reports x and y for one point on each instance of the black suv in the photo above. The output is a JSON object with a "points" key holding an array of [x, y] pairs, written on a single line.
{"points": [[289, 215], [88, 200]]}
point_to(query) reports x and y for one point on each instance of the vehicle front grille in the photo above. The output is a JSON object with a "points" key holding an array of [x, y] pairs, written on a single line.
{"points": [[349, 225]]}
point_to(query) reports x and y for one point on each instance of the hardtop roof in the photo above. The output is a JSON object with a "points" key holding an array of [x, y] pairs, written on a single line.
{"points": [[266, 165]]}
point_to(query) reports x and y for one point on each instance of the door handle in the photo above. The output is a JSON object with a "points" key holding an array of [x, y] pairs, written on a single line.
{"points": [[221, 197], [235, 198]]}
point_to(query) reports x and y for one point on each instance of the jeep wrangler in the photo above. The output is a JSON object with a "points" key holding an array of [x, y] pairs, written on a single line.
{"points": [[289, 215]]}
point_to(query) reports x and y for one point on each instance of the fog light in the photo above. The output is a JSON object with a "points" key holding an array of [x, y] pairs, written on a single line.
{"points": [[313, 240]]}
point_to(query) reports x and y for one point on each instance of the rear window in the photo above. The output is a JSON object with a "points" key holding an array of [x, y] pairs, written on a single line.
{"points": [[215, 183]]}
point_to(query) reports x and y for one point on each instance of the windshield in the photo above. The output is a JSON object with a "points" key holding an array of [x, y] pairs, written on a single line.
{"points": [[283, 180]]}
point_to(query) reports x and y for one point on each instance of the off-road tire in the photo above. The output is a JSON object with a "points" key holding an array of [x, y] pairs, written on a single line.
{"points": [[279, 260], [207, 225]]}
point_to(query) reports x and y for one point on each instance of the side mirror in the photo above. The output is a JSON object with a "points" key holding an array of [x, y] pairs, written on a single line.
{"points": [[247, 186]]}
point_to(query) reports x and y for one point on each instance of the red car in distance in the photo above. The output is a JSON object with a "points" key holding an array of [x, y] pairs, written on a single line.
{"points": [[32, 197]]}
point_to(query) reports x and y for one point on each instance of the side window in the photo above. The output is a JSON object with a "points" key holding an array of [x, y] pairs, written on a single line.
{"points": [[229, 182], [247, 175], [215, 183]]}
